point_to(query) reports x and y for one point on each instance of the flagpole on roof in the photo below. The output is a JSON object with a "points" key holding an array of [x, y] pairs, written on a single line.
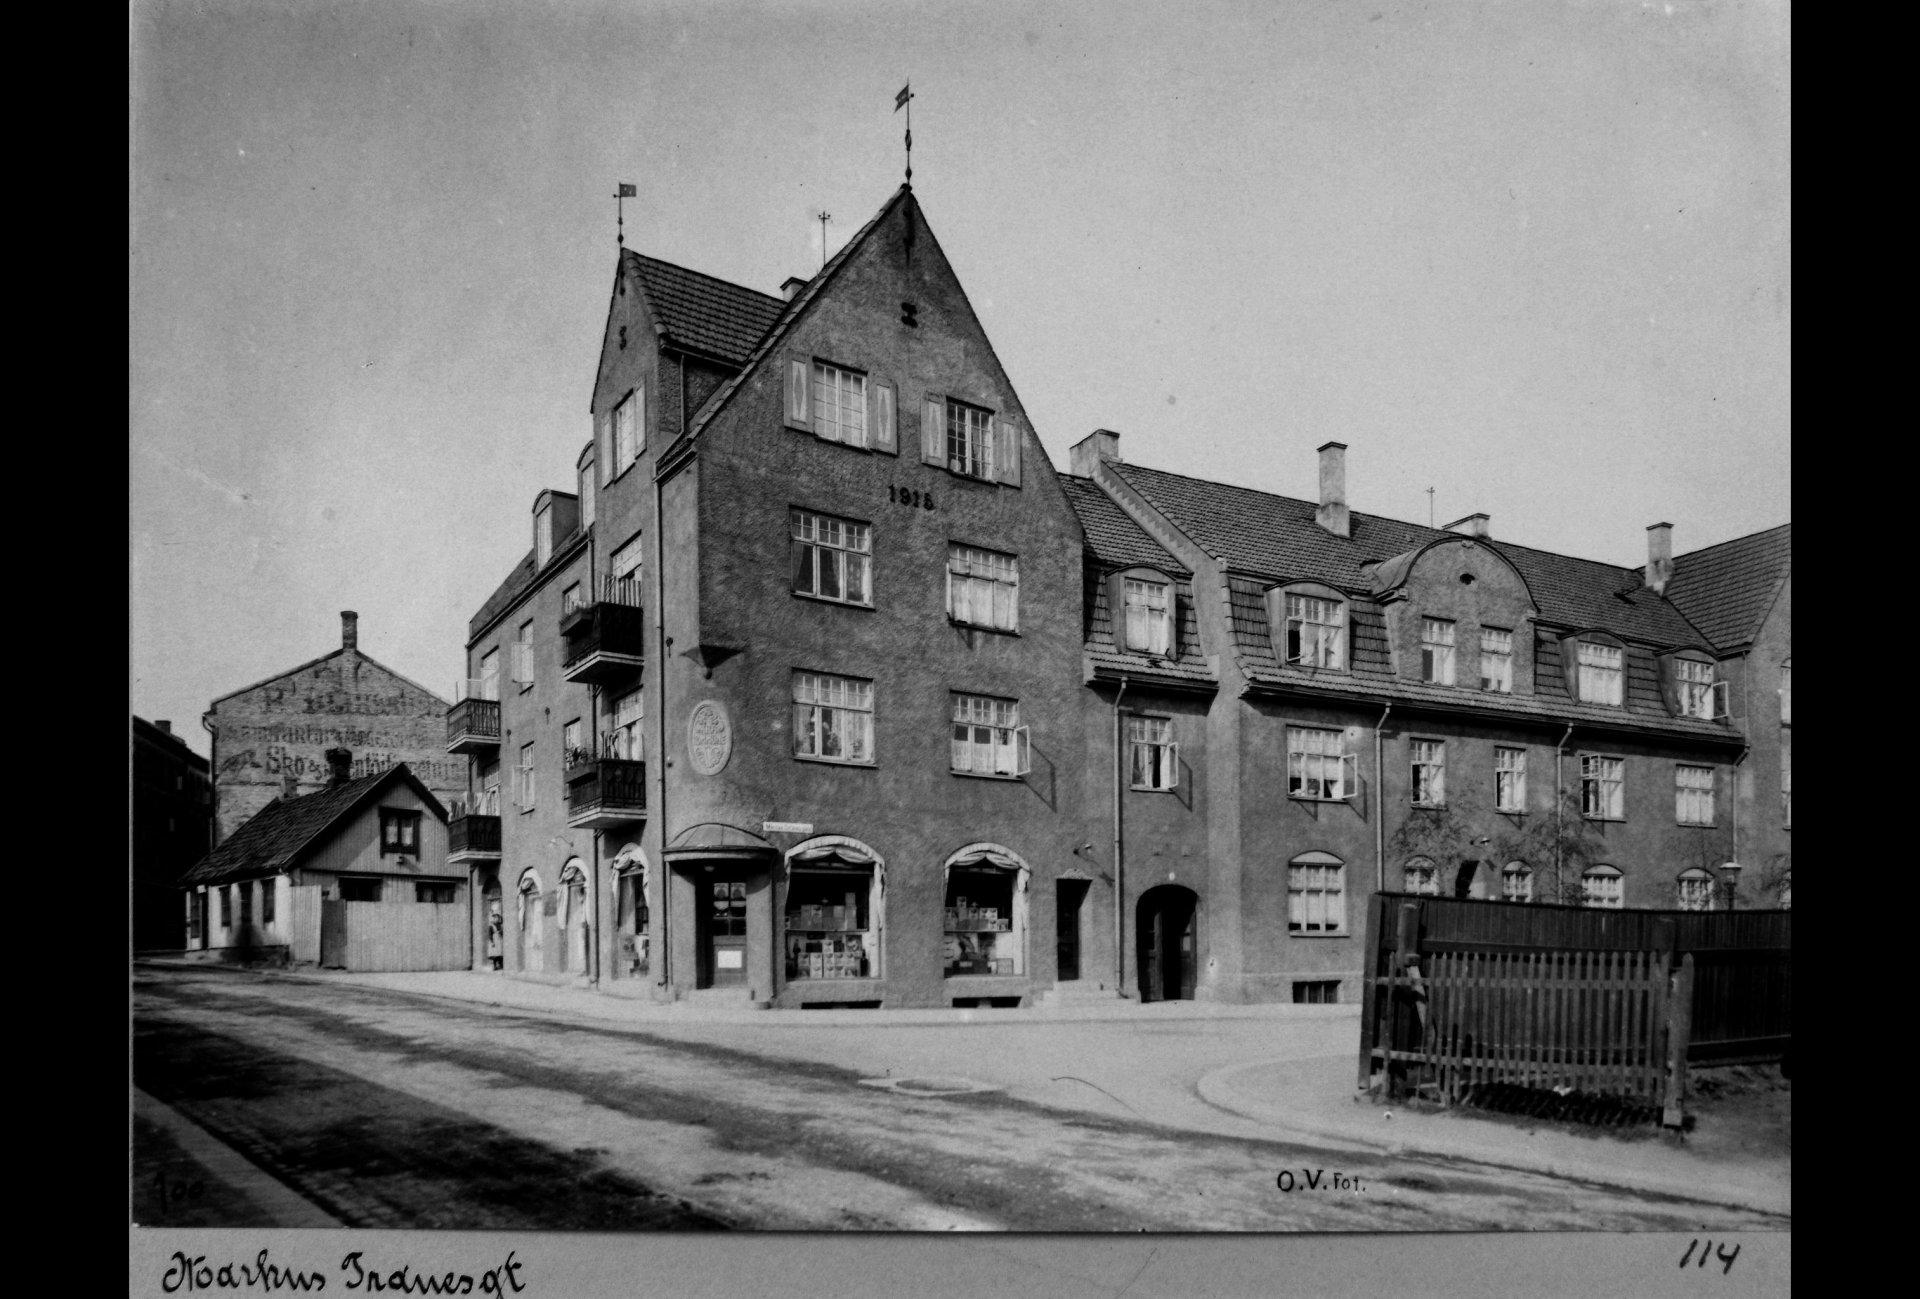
{"points": [[621, 190], [905, 100]]}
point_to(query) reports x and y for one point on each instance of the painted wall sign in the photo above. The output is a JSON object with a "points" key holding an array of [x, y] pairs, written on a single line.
{"points": [[786, 827], [709, 737]]}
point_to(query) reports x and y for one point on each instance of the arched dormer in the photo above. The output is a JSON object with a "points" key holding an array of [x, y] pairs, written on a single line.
{"points": [[1311, 625], [1690, 684], [1459, 615], [1143, 607], [1594, 665]]}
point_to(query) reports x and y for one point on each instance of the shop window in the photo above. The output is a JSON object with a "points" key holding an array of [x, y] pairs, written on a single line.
{"points": [[982, 936], [829, 923], [1316, 895], [1509, 780], [1496, 660], [983, 588], [1603, 887], [1696, 890], [1421, 876], [359, 889], [1436, 651], [832, 558], [1316, 992], [1516, 882], [1603, 784], [434, 890], [1155, 758]]}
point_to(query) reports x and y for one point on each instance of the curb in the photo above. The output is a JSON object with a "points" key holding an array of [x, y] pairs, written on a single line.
{"points": [[1217, 1089]]}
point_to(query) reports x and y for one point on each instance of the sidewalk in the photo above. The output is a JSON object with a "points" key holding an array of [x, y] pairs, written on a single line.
{"points": [[1279, 1072]]}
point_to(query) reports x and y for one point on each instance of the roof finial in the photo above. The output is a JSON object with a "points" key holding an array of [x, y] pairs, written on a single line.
{"points": [[905, 100], [825, 216], [623, 190]]}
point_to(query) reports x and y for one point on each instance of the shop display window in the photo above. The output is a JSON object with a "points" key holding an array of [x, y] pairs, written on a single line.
{"points": [[829, 924], [980, 936]]}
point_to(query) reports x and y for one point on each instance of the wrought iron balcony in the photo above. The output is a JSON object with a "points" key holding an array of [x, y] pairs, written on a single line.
{"points": [[472, 836], [605, 638], [473, 724], [604, 791]]}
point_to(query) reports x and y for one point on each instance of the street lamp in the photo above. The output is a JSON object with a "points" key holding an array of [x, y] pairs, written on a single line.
{"points": [[1730, 880]]}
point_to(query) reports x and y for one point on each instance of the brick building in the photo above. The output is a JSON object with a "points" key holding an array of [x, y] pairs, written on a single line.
{"points": [[270, 738], [824, 686], [171, 811]]}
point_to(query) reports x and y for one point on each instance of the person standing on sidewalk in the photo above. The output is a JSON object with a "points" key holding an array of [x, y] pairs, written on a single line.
{"points": [[494, 929]]}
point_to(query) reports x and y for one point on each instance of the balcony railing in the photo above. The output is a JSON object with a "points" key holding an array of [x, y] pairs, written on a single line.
{"points": [[606, 636], [473, 726], [604, 792], [476, 688], [472, 835]]}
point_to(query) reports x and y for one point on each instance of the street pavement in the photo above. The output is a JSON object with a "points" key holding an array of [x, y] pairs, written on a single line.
{"points": [[1270, 1072]]}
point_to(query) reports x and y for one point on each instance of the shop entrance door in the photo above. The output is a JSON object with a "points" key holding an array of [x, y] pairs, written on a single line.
{"points": [[723, 930], [1069, 905], [1166, 943]]}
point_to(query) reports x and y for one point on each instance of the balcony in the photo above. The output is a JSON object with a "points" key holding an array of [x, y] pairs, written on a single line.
{"points": [[605, 639], [603, 791], [472, 836], [473, 724]]}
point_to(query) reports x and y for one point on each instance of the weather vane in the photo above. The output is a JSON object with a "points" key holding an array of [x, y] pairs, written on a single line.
{"points": [[622, 190], [825, 217], [905, 100]]}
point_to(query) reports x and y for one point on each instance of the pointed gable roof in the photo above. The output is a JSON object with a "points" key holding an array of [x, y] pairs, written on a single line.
{"points": [[1727, 590], [704, 313], [283, 832], [314, 663]]}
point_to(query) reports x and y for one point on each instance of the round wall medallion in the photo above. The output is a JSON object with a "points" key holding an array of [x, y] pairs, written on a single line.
{"points": [[709, 737]]}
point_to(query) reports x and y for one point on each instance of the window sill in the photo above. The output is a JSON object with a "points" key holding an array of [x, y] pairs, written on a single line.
{"points": [[981, 626], [1694, 825], [1428, 807], [1617, 820], [524, 686], [987, 775], [827, 599], [1318, 933], [1315, 798], [862, 764], [1154, 789]]}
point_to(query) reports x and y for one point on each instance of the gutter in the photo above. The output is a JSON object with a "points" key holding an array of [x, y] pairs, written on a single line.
{"points": [[1380, 801], [1119, 847], [1559, 808]]}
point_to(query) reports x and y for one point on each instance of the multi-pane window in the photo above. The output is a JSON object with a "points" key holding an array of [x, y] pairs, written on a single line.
{"points": [[1603, 886], [1318, 766], [1316, 632], [969, 440], [570, 598], [839, 404], [399, 832], [1149, 616], [832, 558], [1603, 783], [988, 739], [1510, 780], [441, 891], [523, 778], [1693, 795], [523, 655], [1516, 882], [1696, 890], [623, 566], [1316, 894], [1603, 674], [1496, 660], [1436, 651], [572, 751], [1155, 757], [1429, 772], [1786, 694], [490, 674], [1696, 688], [983, 588], [623, 741], [1421, 876], [832, 717], [629, 433]]}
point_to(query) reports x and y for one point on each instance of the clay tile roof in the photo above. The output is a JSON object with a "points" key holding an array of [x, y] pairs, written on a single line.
{"points": [[1113, 538], [706, 313], [1726, 590], [1276, 537], [272, 839]]}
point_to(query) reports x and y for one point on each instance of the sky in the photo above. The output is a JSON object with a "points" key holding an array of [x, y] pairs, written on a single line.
{"points": [[1532, 256]]}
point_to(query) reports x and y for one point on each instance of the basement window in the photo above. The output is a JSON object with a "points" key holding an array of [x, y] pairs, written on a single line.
{"points": [[1316, 992]]}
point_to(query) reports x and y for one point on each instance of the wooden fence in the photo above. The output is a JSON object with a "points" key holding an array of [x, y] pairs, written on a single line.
{"points": [[1617, 1003], [395, 935]]}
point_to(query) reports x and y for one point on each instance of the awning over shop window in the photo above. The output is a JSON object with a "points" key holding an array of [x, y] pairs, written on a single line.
{"points": [[829, 853], [987, 857]]}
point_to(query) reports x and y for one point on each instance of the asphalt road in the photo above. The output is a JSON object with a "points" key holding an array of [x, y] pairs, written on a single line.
{"points": [[389, 1109]]}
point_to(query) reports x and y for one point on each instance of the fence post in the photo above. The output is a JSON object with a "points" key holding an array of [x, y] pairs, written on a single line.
{"points": [[1679, 1035], [1371, 993]]}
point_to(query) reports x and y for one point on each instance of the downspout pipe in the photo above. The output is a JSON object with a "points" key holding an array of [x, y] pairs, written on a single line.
{"points": [[1119, 846], [659, 815], [1380, 800], [1560, 812]]}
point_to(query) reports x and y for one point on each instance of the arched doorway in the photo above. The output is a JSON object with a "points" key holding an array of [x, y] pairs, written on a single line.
{"points": [[573, 917], [527, 945], [1166, 942]]}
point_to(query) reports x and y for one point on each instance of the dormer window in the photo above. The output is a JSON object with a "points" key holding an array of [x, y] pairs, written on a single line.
{"points": [[1496, 660], [586, 494], [1149, 617], [1603, 674], [1316, 632], [1696, 688], [543, 536], [1436, 651]]}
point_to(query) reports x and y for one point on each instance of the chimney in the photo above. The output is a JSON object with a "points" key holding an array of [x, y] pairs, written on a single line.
{"points": [[1332, 514], [289, 786], [1474, 525], [340, 763], [1659, 556], [792, 285], [349, 629], [1101, 444], [163, 726]]}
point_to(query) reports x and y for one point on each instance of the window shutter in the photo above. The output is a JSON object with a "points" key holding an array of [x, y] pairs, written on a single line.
{"points": [[1173, 766], [797, 394], [884, 437], [1007, 455], [1349, 776], [1022, 751], [1719, 701], [933, 431]]}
